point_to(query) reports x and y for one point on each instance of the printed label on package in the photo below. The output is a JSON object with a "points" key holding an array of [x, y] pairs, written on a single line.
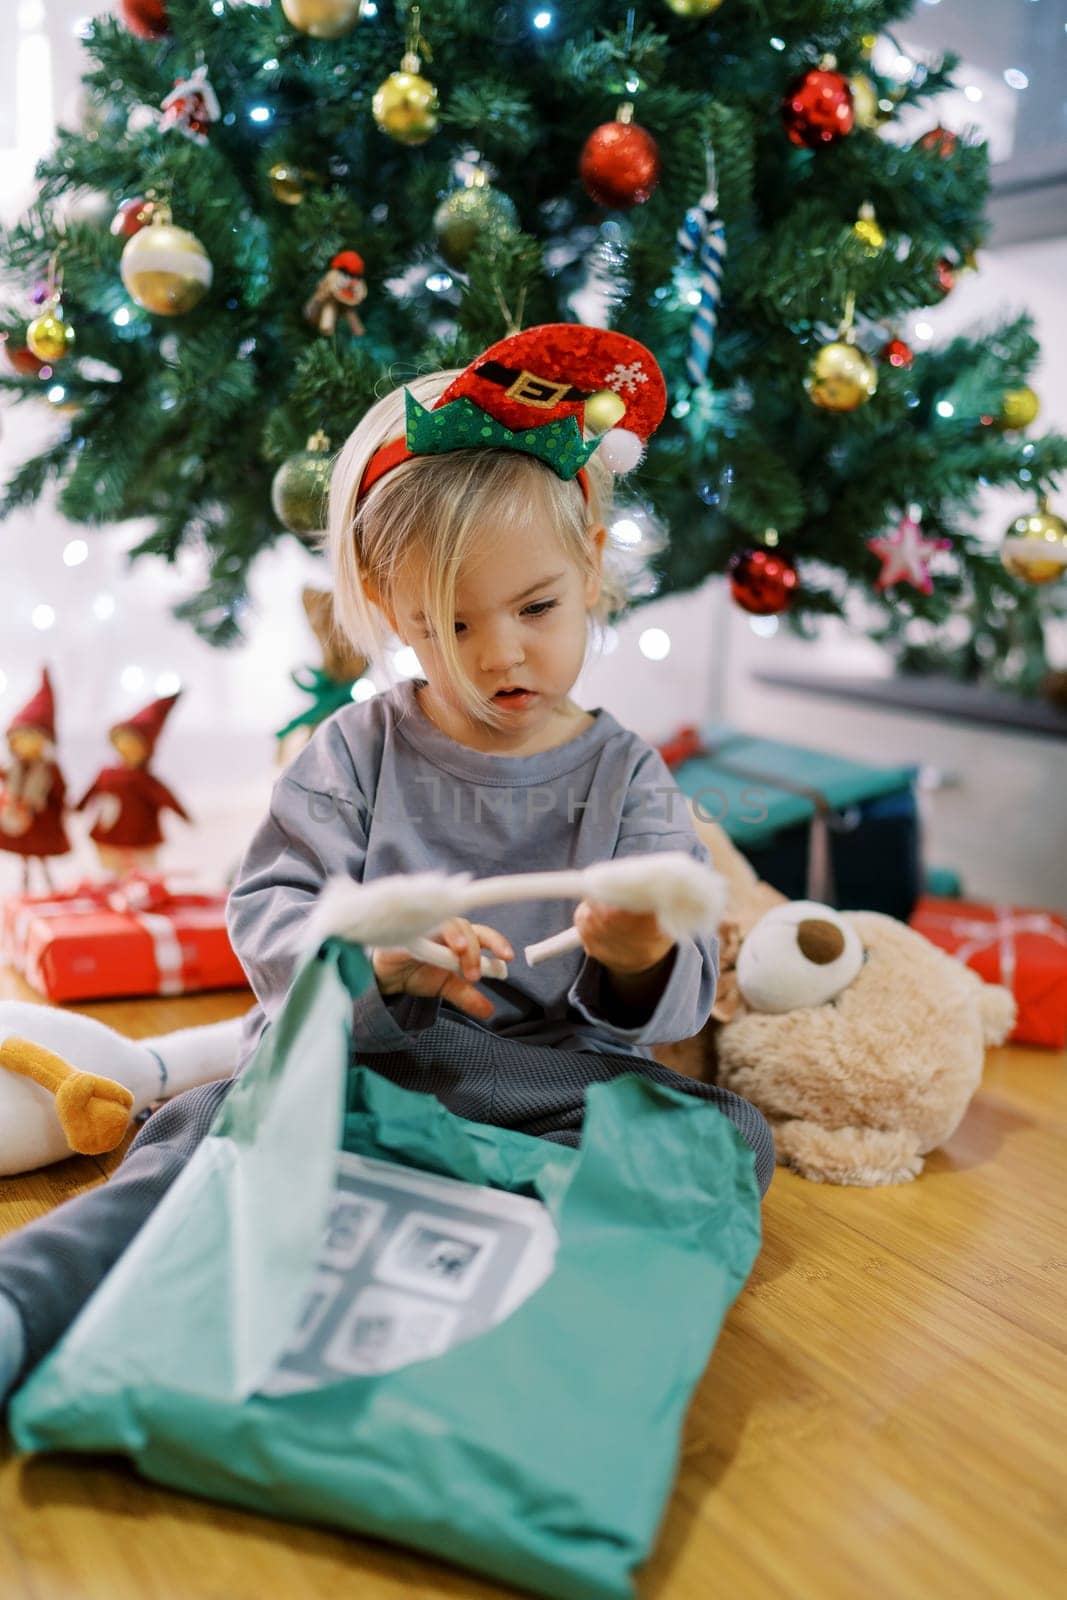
{"points": [[411, 1263]]}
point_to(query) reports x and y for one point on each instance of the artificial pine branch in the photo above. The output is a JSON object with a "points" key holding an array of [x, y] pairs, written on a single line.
{"points": [[182, 421]]}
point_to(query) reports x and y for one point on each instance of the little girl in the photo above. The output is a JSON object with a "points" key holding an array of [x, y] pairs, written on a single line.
{"points": [[467, 522]]}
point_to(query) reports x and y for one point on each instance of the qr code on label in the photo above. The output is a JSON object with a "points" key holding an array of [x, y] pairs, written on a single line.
{"points": [[410, 1264]]}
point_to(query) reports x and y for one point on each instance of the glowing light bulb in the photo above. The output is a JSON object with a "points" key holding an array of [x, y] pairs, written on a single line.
{"points": [[407, 663], [167, 683], [363, 689], [542, 19], [43, 617], [945, 408], [654, 644], [923, 330], [626, 531], [75, 553]]}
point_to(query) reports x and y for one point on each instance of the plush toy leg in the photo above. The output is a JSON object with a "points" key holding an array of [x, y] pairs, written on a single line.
{"points": [[193, 1056], [93, 1112], [863, 1157]]}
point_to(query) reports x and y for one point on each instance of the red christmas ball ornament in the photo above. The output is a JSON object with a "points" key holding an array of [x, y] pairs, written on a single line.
{"points": [[817, 109], [941, 140], [146, 18], [761, 581], [22, 360], [945, 276], [131, 216], [619, 164], [898, 354]]}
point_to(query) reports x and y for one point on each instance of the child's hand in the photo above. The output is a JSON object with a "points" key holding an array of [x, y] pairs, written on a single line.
{"points": [[623, 941], [399, 972]]}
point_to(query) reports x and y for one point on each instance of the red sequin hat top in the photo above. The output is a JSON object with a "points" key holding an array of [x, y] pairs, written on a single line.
{"points": [[528, 393]]}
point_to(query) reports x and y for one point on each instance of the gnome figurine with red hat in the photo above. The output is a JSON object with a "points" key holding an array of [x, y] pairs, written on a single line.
{"points": [[32, 790], [340, 290], [126, 830]]}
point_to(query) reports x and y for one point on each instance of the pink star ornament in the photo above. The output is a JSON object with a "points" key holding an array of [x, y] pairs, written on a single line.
{"points": [[905, 554]]}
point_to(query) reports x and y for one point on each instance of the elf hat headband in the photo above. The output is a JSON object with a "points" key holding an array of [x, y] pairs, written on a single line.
{"points": [[528, 393]]}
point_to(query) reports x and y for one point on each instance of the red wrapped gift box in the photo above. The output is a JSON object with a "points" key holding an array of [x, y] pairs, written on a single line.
{"points": [[130, 936], [1022, 947]]}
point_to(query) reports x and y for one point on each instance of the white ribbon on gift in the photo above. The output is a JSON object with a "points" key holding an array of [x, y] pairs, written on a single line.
{"points": [[24, 917], [120, 899], [977, 936]]}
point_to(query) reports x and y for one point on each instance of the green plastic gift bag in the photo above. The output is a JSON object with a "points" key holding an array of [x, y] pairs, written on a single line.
{"points": [[539, 1451]]}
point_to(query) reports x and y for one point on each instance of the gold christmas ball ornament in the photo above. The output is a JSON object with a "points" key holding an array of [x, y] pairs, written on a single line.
{"points": [[603, 410], [1035, 548], [323, 19], [470, 215], [841, 377], [694, 8], [298, 491], [287, 183], [405, 105], [49, 337], [865, 108], [868, 231], [166, 269], [1018, 408]]}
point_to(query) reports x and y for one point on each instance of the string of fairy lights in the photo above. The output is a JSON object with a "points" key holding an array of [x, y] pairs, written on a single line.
{"points": [[632, 532]]}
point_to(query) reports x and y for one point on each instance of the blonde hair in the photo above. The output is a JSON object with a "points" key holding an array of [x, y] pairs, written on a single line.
{"points": [[432, 510]]}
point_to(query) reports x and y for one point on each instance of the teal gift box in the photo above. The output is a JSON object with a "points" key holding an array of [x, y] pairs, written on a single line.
{"points": [[540, 1452], [817, 826]]}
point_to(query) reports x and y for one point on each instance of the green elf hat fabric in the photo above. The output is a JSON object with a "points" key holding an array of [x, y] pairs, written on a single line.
{"points": [[528, 392]]}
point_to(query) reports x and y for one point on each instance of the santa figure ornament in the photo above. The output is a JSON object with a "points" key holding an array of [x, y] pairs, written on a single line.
{"points": [[129, 798], [191, 107], [338, 293], [32, 790]]}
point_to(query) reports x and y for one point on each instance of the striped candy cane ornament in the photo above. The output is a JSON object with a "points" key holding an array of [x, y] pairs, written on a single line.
{"points": [[703, 235]]}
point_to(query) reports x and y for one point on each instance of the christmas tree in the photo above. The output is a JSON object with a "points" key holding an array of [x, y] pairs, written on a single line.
{"points": [[273, 212]]}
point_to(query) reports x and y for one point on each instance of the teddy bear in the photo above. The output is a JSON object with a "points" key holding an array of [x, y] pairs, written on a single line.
{"points": [[860, 1041]]}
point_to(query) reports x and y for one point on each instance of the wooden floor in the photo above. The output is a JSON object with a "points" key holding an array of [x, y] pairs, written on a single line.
{"points": [[885, 1414]]}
